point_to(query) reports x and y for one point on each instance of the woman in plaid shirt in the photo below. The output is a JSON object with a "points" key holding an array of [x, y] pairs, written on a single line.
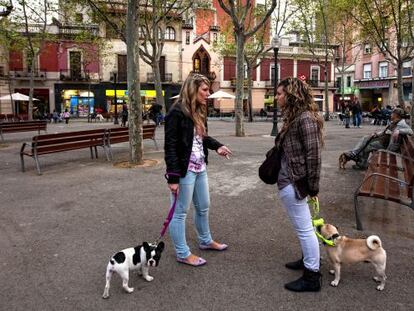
{"points": [[300, 141]]}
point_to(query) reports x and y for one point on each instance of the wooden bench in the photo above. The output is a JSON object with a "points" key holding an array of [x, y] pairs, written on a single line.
{"points": [[390, 176], [121, 135], [53, 143], [23, 126]]}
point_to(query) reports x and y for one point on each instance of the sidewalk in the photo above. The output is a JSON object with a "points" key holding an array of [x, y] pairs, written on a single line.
{"points": [[58, 230]]}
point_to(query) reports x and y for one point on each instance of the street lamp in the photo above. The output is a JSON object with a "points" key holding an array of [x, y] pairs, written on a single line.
{"points": [[115, 98], [275, 45]]}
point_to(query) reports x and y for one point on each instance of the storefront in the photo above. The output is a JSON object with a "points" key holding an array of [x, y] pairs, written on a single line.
{"points": [[78, 102], [374, 93], [40, 106], [148, 97]]}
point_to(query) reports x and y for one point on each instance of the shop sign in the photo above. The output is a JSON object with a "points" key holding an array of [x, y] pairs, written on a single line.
{"points": [[124, 93], [374, 84]]}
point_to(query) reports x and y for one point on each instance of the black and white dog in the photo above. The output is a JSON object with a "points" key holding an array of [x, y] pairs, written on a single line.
{"points": [[134, 258]]}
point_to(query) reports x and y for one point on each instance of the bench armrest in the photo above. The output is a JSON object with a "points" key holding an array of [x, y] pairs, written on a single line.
{"points": [[385, 176]]}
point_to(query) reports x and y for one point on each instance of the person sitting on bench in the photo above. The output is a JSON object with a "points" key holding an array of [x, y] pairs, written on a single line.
{"points": [[389, 139]]}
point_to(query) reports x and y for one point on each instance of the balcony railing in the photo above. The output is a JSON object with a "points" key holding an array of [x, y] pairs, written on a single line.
{"points": [[73, 30], [214, 28], [320, 83], [27, 74], [74, 75], [167, 77], [245, 82]]}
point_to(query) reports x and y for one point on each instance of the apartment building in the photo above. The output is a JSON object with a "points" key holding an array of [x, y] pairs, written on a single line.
{"points": [[82, 77]]}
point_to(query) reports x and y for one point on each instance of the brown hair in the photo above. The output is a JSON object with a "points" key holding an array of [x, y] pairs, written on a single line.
{"points": [[188, 101], [299, 98]]}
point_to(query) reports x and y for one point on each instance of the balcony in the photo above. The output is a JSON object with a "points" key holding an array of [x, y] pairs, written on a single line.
{"points": [[74, 75], [320, 83], [73, 30], [245, 82], [26, 75], [167, 77]]}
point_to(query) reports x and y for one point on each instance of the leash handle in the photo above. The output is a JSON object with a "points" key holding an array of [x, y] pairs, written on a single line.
{"points": [[314, 203]]}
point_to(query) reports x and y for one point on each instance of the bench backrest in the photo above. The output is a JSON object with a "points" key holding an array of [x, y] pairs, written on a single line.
{"points": [[121, 134], [407, 146], [23, 125], [69, 140]]}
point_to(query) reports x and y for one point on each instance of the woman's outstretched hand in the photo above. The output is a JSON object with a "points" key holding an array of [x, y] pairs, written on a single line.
{"points": [[224, 151]]}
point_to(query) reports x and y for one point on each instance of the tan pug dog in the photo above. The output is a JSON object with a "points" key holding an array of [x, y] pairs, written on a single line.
{"points": [[348, 250]]}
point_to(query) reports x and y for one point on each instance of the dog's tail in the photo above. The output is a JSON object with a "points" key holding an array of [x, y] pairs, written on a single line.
{"points": [[374, 242]]}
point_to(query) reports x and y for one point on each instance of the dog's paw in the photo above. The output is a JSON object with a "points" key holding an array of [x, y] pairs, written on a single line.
{"points": [[129, 290], [334, 283], [149, 278], [105, 296], [380, 287], [377, 279], [332, 272]]}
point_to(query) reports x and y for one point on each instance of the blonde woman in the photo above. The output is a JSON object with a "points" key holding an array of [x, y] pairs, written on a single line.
{"points": [[186, 156], [300, 141]]}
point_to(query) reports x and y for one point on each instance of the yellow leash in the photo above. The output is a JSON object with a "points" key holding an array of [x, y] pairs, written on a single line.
{"points": [[318, 221]]}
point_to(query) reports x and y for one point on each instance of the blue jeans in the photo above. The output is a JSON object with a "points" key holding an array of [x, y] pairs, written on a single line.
{"points": [[301, 219], [193, 188]]}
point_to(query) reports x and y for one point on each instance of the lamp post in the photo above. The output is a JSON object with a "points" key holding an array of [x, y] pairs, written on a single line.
{"points": [[116, 99], [275, 44]]}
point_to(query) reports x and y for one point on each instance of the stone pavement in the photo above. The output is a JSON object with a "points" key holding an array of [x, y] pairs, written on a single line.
{"points": [[58, 230]]}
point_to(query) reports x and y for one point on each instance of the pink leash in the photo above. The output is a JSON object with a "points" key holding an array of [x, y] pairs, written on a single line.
{"points": [[170, 213], [169, 217]]}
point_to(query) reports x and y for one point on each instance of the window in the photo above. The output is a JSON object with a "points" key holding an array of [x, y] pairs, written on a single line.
{"points": [[169, 34], [367, 71], [315, 70], [141, 32], [245, 71], [348, 81], [339, 82], [406, 70], [78, 17], [187, 37], [383, 70], [1, 71], [215, 37], [367, 48], [384, 45]]}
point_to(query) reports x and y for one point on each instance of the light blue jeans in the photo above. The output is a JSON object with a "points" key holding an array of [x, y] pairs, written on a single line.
{"points": [[193, 187], [301, 219]]}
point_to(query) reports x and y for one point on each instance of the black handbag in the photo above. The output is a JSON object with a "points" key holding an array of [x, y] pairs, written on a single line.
{"points": [[269, 170]]}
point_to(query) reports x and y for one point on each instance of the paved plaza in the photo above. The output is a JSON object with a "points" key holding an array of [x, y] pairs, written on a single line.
{"points": [[58, 230]]}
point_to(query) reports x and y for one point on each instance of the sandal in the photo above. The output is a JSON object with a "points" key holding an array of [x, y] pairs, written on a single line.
{"points": [[214, 246], [198, 262]]}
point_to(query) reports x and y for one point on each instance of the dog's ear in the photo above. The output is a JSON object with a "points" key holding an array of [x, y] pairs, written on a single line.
{"points": [[160, 246], [146, 246]]}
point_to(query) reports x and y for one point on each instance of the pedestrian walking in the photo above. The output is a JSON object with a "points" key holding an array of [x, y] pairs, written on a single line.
{"points": [[186, 156]]}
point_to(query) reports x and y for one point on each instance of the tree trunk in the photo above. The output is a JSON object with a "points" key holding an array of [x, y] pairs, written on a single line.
{"points": [[400, 84], [239, 83], [10, 92], [134, 88], [250, 95], [31, 89], [157, 83], [412, 95], [326, 85]]}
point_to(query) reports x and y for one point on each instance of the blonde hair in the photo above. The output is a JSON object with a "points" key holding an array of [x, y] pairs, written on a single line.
{"points": [[298, 99], [188, 101]]}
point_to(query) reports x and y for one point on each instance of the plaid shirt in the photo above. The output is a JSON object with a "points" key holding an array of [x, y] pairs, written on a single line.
{"points": [[302, 147]]}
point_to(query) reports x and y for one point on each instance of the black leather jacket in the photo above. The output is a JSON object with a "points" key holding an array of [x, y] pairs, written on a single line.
{"points": [[179, 135]]}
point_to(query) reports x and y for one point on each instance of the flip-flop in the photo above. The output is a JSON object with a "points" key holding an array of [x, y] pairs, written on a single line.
{"points": [[200, 261], [220, 248]]}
